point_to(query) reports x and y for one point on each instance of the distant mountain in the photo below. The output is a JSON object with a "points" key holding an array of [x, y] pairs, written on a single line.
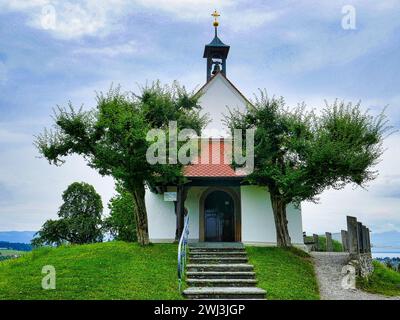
{"points": [[15, 246], [386, 239], [17, 236]]}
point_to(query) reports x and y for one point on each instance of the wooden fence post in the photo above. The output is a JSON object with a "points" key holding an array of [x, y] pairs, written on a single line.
{"points": [[352, 234], [329, 244], [316, 242], [360, 237], [345, 240]]}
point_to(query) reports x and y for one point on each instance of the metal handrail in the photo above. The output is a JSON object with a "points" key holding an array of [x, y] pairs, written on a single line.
{"points": [[182, 252]]}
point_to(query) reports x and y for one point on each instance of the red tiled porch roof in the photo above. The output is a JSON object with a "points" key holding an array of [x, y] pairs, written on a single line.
{"points": [[212, 164]]}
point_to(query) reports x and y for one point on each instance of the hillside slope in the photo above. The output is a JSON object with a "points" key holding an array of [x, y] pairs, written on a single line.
{"points": [[113, 270], [286, 274], [119, 270]]}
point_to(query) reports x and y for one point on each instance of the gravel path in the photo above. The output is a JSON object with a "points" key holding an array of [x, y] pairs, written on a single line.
{"points": [[328, 267]]}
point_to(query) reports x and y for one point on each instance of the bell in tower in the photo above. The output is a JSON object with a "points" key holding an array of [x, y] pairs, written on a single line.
{"points": [[216, 52], [216, 68]]}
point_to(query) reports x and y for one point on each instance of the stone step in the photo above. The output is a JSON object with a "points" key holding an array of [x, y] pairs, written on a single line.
{"points": [[218, 254], [221, 282], [228, 249], [216, 245], [218, 260], [220, 275], [219, 267], [224, 293]]}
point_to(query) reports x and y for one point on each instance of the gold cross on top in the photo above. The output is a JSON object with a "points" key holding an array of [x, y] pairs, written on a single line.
{"points": [[216, 15]]}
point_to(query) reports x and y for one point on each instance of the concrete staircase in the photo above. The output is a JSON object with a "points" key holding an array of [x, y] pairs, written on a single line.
{"points": [[220, 271]]}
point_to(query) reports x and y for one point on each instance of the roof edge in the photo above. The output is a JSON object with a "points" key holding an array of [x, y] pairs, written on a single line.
{"points": [[230, 82]]}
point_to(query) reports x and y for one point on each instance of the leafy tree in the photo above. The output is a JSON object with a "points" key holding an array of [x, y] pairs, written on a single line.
{"points": [[299, 154], [122, 223], [112, 138], [80, 218]]}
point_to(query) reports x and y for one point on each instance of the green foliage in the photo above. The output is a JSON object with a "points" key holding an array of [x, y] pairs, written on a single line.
{"points": [[299, 154], [286, 274], [112, 270], [121, 222], [112, 138], [389, 265], [383, 281], [80, 218]]}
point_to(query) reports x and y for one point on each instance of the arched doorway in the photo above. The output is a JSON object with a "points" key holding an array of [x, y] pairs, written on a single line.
{"points": [[219, 217]]}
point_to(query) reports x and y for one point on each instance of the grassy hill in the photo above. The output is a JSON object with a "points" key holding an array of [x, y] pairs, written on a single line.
{"points": [[383, 281], [113, 270], [118, 270], [286, 274]]}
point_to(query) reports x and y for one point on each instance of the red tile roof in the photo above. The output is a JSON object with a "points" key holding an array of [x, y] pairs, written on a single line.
{"points": [[211, 162]]}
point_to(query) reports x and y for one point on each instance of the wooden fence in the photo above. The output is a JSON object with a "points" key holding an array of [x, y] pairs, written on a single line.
{"points": [[355, 240]]}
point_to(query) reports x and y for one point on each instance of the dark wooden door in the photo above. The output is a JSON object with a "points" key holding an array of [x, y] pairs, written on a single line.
{"points": [[219, 217]]}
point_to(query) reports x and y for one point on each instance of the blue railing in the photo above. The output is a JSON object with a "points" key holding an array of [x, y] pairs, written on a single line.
{"points": [[182, 252]]}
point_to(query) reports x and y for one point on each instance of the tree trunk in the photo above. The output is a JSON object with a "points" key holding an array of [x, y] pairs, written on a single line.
{"points": [[180, 210], [141, 216], [281, 223]]}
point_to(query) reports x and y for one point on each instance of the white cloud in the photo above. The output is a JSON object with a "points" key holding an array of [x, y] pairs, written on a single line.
{"points": [[31, 188], [23, 4], [74, 19], [248, 19], [187, 9], [128, 48], [12, 137], [330, 45], [71, 19], [377, 207]]}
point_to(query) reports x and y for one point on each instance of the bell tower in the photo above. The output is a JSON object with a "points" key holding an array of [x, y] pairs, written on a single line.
{"points": [[216, 52]]}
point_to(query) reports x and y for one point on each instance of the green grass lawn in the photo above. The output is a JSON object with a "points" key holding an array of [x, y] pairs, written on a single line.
{"points": [[383, 281], [119, 270], [285, 274], [113, 270]]}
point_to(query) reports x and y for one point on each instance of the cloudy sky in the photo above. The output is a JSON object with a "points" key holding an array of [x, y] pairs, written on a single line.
{"points": [[53, 51]]}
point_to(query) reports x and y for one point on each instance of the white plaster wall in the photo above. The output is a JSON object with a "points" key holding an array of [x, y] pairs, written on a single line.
{"points": [[192, 203], [161, 217], [258, 225], [216, 97], [295, 224]]}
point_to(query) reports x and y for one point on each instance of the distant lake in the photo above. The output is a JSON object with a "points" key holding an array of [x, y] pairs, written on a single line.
{"points": [[385, 252]]}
